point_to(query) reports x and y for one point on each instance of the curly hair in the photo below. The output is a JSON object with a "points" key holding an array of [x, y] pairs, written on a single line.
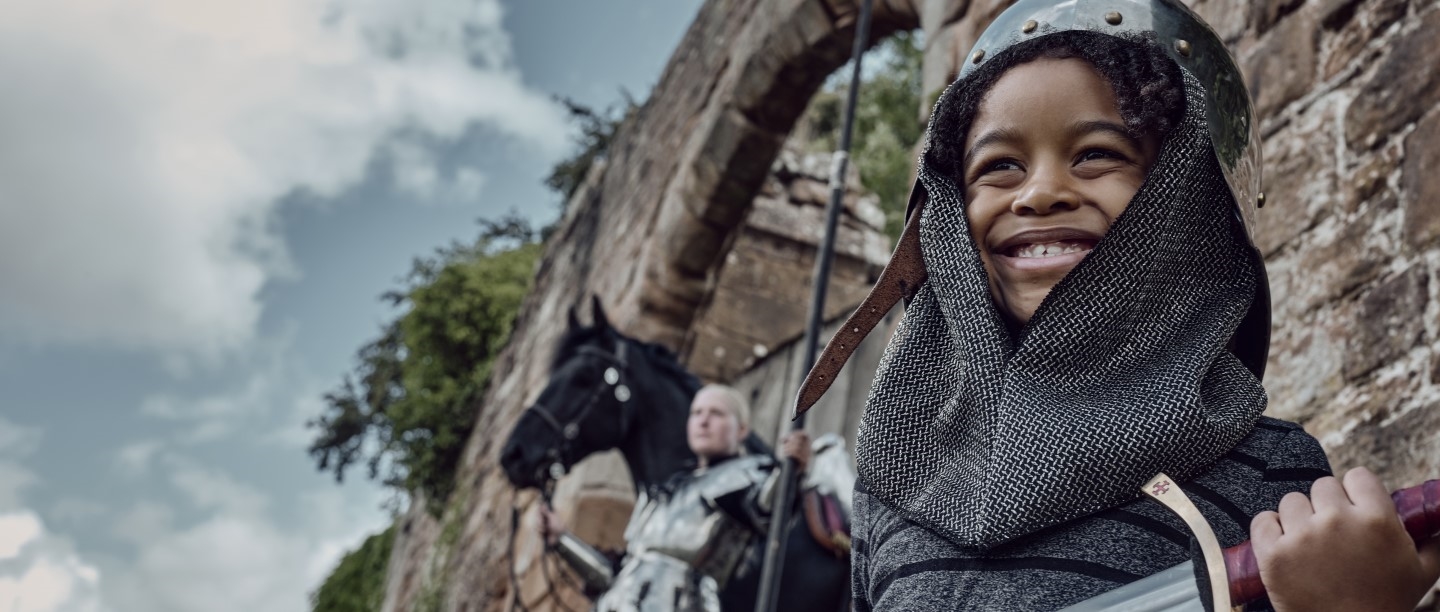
{"points": [[1149, 92]]}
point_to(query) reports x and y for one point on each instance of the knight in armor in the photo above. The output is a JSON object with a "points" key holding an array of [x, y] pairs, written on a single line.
{"points": [[1094, 312], [686, 537]]}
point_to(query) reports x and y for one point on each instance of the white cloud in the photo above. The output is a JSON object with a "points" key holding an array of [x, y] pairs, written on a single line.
{"points": [[147, 142], [213, 416], [17, 440], [144, 523], [212, 489], [134, 459], [43, 573], [17, 530], [239, 557], [416, 171], [269, 379], [14, 479], [76, 510], [294, 431]]}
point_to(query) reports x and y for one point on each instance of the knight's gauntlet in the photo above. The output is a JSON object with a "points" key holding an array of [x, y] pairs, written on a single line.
{"points": [[592, 565], [769, 488]]}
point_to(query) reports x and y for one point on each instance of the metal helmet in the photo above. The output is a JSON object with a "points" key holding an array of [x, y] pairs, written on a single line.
{"points": [[1192, 44], [1187, 39]]}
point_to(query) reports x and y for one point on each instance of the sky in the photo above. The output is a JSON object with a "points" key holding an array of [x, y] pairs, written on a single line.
{"points": [[200, 205]]}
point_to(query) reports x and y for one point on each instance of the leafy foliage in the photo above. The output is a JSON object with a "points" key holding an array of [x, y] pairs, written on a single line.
{"points": [[357, 583], [597, 129], [887, 123], [410, 405]]}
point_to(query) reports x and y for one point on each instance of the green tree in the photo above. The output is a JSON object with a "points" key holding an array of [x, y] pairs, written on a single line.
{"points": [[597, 129], [357, 584], [887, 122], [409, 407]]}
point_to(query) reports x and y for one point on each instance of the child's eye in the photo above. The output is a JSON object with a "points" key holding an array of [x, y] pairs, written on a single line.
{"points": [[1098, 154], [999, 165]]}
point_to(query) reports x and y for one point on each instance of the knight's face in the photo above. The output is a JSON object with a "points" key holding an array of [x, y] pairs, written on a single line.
{"points": [[1048, 167], [713, 430]]}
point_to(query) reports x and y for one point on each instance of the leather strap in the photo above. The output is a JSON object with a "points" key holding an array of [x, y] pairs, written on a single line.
{"points": [[826, 522], [902, 277]]}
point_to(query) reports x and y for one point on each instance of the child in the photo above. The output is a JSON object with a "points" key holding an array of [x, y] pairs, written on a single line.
{"points": [[1095, 313]]}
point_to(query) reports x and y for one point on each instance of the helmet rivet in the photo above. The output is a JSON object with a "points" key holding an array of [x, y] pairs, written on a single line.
{"points": [[977, 56], [1029, 26], [1113, 18], [1183, 46], [1260, 200]]}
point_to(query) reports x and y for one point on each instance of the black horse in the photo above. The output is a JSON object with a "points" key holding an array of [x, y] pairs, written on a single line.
{"points": [[610, 391]]}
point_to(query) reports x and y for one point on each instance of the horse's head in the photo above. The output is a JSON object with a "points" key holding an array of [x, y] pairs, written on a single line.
{"points": [[586, 407]]}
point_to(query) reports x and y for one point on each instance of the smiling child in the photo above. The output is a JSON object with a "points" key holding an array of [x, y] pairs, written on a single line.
{"points": [[1095, 313]]}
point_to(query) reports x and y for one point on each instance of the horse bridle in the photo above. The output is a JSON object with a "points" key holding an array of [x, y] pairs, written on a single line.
{"points": [[612, 380]]}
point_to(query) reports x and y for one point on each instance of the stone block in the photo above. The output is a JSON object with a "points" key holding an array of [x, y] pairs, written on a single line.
{"points": [[1346, 254], [1304, 372], [1300, 181], [1397, 92], [599, 518], [1282, 66], [901, 14], [1264, 15], [1228, 17], [940, 64], [1389, 321], [935, 14], [1420, 180], [1334, 14], [1370, 179], [1382, 430], [1354, 34]]}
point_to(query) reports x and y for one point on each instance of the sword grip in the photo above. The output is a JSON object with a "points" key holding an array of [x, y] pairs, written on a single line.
{"points": [[1419, 510]]}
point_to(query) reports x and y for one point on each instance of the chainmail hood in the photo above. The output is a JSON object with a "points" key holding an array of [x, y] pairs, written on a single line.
{"points": [[984, 434]]}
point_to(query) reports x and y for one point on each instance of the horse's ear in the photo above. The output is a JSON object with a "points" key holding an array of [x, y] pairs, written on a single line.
{"points": [[599, 312], [571, 320]]}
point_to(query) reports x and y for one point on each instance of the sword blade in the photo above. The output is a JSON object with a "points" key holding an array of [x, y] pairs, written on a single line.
{"points": [[1173, 590]]}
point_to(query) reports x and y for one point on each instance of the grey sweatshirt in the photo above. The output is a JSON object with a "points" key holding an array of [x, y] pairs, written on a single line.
{"points": [[899, 565]]}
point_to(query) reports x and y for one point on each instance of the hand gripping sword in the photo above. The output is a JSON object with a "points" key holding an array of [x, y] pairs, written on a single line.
{"points": [[1233, 574]]}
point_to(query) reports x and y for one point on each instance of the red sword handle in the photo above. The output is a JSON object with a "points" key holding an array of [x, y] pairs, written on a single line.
{"points": [[1419, 510]]}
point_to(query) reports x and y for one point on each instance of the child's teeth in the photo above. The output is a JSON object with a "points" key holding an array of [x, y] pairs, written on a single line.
{"points": [[1052, 249]]}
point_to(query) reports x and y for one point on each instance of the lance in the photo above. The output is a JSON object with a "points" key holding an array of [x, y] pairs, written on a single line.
{"points": [[1232, 577], [769, 593]]}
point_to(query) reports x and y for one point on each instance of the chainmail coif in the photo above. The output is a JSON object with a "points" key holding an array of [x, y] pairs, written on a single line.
{"points": [[983, 435]]}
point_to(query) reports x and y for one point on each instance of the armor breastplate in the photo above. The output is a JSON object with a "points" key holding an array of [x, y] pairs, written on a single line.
{"points": [[688, 524]]}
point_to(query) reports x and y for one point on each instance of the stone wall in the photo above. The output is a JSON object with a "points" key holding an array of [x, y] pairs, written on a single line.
{"points": [[1349, 99]]}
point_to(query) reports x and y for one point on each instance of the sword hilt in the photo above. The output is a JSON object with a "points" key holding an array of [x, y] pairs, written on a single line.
{"points": [[1419, 510]]}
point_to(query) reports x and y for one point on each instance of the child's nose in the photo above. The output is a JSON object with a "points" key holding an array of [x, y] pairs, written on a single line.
{"points": [[1045, 191]]}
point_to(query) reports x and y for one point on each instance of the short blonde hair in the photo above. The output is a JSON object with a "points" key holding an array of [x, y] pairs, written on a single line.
{"points": [[738, 404]]}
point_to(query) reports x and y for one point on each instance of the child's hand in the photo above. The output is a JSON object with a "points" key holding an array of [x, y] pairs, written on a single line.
{"points": [[1343, 548]]}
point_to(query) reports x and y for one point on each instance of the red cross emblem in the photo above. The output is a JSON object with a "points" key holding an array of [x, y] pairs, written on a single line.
{"points": [[1161, 487]]}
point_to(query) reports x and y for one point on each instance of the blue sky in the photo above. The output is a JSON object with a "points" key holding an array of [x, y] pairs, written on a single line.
{"points": [[200, 203]]}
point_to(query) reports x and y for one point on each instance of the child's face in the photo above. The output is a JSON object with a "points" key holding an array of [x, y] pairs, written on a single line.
{"points": [[1048, 167]]}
